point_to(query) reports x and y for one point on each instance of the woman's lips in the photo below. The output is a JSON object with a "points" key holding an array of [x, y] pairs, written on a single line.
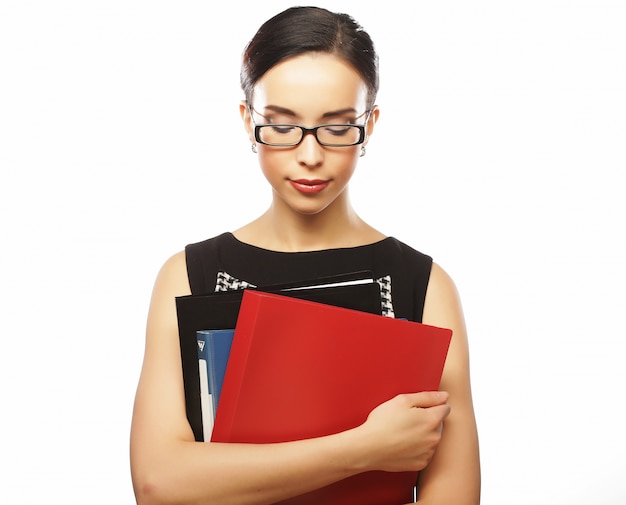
{"points": [[309, 186]]}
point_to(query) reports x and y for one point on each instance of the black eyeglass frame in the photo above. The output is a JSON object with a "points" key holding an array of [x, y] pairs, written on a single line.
{"points": [[312, 131]]}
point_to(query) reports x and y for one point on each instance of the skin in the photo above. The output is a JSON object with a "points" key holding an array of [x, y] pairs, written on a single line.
{"points": [[434, 432]]}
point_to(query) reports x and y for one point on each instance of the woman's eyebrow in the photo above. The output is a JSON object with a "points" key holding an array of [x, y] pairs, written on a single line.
{"points": [[288, 112], [280, 110], [340, 112]]}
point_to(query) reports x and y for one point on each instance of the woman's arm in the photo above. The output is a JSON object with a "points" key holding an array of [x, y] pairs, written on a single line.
{"points": [[453, 475], [168, 466]]}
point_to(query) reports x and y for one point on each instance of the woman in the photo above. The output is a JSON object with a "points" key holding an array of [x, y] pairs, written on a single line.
{"points": [[306, 67]]}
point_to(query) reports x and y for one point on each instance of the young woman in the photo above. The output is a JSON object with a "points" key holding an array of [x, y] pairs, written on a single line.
{"points": [[306, 67]]}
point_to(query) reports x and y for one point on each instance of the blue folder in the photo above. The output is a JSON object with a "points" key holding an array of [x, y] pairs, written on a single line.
{"points": [[214, 349]]}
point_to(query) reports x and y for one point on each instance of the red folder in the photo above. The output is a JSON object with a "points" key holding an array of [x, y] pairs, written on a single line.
{"points": [[300, 369]]}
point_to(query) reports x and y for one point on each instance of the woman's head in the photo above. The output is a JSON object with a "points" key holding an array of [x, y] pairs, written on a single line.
{"points": [[300, 30], [310, 78]]}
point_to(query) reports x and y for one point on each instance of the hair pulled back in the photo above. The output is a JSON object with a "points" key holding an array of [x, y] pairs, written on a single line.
{"points": [[300, 30]]}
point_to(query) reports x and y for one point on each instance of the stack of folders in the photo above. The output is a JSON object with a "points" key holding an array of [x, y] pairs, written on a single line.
{"points": [[219, 311], [291, 367]]}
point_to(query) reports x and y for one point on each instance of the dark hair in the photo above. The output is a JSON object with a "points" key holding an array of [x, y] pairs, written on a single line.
{"points": [[299, 30]]}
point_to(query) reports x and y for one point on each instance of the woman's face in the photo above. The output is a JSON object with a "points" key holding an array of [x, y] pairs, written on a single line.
{"points": [[309, 90]]}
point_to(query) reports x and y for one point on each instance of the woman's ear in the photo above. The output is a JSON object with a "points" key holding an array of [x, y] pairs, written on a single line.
{"points": [[244, 110], [371, 122], [373, 119]]}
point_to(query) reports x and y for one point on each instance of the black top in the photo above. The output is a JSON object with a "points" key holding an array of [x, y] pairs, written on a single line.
{"points": [[223, 263]]}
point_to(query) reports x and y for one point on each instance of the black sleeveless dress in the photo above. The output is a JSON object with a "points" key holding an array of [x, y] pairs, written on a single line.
{"points": [[223, 262]]}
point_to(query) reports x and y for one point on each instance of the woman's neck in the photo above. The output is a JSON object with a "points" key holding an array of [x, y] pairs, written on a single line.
{"points": [[282, 229]]}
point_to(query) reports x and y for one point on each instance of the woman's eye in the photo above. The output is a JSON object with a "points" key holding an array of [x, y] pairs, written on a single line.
{"points": [[338, 130], [284, 129]]}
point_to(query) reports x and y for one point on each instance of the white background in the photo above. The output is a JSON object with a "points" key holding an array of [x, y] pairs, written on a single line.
{"points": [[500, 151]]}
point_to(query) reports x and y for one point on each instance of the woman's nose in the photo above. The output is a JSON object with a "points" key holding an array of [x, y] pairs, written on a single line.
{"points": [[310, 152]]}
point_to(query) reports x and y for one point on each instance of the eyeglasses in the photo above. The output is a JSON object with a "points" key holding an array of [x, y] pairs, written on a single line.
{"points": [[289, 135]]}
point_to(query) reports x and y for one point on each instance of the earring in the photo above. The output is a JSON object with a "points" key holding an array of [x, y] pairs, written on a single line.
{"points": [[362, 151], [253, 147]]}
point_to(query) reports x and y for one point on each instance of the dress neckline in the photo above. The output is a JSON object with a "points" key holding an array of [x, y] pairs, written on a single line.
{"points": [[237, 242]]}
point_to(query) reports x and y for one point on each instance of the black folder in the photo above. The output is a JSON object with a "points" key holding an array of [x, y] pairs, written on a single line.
{"points": [[219, 311]]}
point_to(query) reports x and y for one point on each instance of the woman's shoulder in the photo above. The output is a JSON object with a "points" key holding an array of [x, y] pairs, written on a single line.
{"points": [[442, 298], [209, 244], [177, 267], [440, 279], [405, 249], [172, 277], [406, 260]]}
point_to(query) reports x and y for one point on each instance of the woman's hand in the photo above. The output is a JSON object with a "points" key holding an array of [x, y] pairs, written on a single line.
{"points": [[404, 432]]}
